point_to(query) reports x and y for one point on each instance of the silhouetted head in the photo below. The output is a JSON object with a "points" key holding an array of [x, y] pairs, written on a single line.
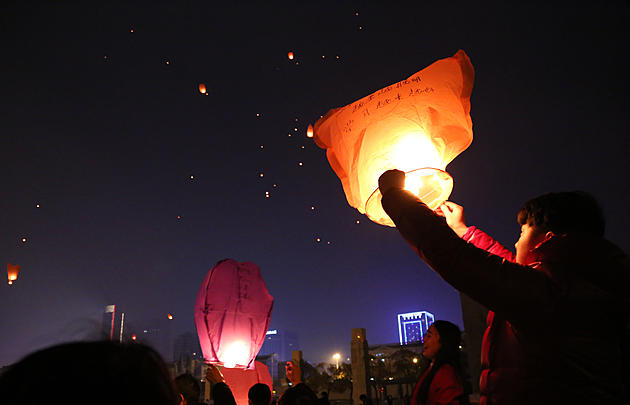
{"points": [[89, 372], [188, 387], [259, 394]]}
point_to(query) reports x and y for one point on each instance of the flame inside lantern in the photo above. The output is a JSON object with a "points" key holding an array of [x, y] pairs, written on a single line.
{"points": [[236, 353], [12, 273]]}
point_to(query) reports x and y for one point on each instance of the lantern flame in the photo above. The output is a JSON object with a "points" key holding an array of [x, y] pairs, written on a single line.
{"points": [[236, 354], [309, 131], [290, 55], [202, 88]]}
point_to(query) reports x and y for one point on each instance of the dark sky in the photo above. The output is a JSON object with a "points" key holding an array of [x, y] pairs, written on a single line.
{"points": [[104, 134]]}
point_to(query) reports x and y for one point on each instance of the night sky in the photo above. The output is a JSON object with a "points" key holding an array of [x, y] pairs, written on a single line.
{"points": [[105, 140]]}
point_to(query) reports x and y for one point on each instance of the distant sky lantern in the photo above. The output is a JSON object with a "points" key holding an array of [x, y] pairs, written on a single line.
{"points": [[290, 55], [12, 272], [232, 314], [418, 125], [309, 131], [202, 88]]}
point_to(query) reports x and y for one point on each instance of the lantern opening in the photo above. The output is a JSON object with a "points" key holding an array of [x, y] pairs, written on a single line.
{"points": [[236, 354], [432, 186]]}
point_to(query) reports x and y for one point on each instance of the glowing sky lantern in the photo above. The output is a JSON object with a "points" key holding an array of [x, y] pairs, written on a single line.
{"points": [[418, 125], [12, 272], [309, 131], [290, 55], [202, 88], [232, 314]]}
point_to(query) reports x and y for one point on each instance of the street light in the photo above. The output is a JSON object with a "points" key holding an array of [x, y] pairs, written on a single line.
{"points": [[336, 357]]}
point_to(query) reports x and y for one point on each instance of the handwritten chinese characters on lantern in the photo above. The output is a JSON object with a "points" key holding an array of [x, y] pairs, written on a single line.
{"points": [[418, 125]]}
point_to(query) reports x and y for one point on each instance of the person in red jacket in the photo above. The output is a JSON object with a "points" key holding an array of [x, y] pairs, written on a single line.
{"points": [[563, 304], [441, 383], [500, 372]]}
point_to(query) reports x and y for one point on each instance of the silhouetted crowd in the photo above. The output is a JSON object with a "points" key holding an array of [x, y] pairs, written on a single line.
{"points": [[557, 327]]}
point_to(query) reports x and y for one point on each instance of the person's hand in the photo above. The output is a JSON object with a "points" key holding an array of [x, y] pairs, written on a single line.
{"points": [[214, 375], [391, 179], [294, 373], [454, 215]]}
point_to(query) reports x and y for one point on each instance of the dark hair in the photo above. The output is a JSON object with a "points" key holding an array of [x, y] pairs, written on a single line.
{"points": [[188, 386], [94, 372], [259, 394], [450, 339], [565, 212]]}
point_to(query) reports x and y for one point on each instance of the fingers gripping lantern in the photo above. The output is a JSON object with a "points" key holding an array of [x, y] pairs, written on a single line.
{"points": [[418, 125]]}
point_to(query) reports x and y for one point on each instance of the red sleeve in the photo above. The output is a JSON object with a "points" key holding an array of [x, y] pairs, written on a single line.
{"points": [[484, 241], [446, 387]]}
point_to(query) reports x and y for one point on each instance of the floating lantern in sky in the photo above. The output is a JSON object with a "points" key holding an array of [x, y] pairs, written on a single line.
{"points": [[232, 314], [309, 131], [169, 316], [418, 125], [290, 55], [12, 272], [202, 88]]}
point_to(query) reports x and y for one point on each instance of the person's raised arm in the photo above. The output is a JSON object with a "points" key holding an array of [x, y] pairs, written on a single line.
{"points": [[514, 290]]}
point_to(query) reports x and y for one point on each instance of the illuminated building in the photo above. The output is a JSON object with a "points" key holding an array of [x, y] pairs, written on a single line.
{"points": [[279, 342], [412, 326]]}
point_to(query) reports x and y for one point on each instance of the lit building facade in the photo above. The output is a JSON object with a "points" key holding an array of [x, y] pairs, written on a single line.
{"points": [[279, 342], [412, 326]]}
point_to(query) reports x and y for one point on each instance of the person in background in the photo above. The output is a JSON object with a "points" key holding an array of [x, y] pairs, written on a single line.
{"points": [[441, 383], [259, 394], [98, 373], [298, 393], [220, 393], [188, 388]]}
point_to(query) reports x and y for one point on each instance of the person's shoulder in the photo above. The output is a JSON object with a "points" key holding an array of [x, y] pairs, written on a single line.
{"points": [[446, 372]]}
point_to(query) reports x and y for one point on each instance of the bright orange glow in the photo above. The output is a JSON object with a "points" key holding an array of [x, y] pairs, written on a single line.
{"points": [[169, 316], [133, 337], [12, 272], [236, 354], [290, 55], [418, 125], [202, 88], [309, 131]]}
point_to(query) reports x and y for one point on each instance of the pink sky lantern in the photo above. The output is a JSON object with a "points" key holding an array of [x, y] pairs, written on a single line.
{"points": [[418, 125], [232, 314]]}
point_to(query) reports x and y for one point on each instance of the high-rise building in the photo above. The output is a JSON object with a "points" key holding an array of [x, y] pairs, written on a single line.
{"points": [[186, 346], [412, 326], [114, 326], [280, 342], [158, 334]]}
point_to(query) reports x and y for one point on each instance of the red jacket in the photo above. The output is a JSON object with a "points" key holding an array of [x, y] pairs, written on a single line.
{"points": [[569, 309], [445, 389], [501, 354]]}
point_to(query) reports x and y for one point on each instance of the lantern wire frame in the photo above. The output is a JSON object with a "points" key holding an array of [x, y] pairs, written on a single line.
{"points": [[432, 186]]}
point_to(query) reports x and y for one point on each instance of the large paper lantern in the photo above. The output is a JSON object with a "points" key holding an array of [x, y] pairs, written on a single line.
{"points": [[232, 314], [418, 125], [240, 381], [12, 272]]}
